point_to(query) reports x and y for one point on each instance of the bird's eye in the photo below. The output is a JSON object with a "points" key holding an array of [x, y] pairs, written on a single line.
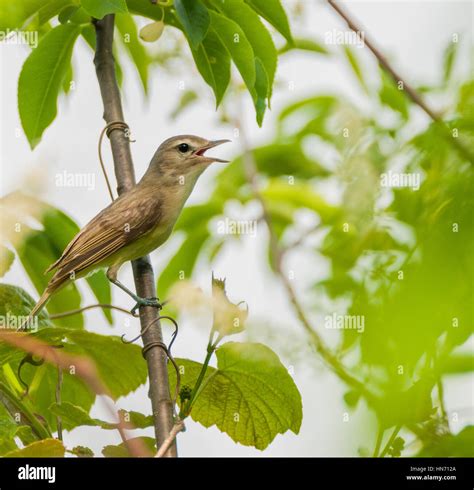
{"points": [[183, 147]]}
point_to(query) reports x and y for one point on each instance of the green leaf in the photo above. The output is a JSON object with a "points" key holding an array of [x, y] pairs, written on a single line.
{"points": [[74, 416], [138, 54], [7, 445], [238, 46], [121, 451], [304, 45], [351, 398], [186, 100], [261, 90], [451, 446], [194, 17], [47, 448], [6, 260], [42, 381], [68, 78], [135, 420], [458, 363], [67, 12], [278, 159], [449, 59], [211, 57], [250, 396], [256, 33], [320, 106], [108, 353], [182, 264], [406, 407], [312, 116], [55, 7], [300, 196], [100, 286], [272, 11], [82, 18], [9, 429], [251, 68], [40, 80], [465, 102], [146, 9], [88, 33], [198, 216], [394, 98], [15, 14], [16, 304], [354, 63], [99, 8], [396, 447], [213, 62]]}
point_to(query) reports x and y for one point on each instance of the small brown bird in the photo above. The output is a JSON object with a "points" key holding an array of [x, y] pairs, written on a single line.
{"points": [[138, 221]]}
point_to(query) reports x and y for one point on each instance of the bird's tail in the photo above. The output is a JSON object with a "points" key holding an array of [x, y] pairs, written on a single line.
{"points": [[36, 309]]}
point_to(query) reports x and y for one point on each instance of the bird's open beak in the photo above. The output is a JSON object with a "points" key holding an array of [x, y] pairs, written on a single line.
{"points": [[211, 144]]}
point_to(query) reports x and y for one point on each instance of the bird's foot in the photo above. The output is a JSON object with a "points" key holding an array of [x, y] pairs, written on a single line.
{"points": [[146, 302]]}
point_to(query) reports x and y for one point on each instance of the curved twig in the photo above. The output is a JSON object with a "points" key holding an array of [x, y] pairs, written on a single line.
{"points": [[108, 129], [90, 307]]}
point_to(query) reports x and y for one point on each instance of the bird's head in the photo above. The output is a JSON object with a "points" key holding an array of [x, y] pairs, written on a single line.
{"points": [[186, 154]]}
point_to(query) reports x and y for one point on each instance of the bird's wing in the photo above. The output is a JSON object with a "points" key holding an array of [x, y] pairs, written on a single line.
{"points": [[129, 217]]}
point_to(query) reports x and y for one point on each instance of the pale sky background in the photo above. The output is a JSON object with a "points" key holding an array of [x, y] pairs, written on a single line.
{"points": [[412, 34]]}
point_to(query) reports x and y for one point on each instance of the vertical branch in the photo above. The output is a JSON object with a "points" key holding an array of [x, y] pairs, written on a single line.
{"points": [[142, 270]]}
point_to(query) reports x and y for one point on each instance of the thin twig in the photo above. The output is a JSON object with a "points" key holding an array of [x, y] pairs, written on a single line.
{"points": [[390, 441], [188, 405], [407, 88], [444, 414], [90, 307], [177, 428], [378, 442], [59, 385], [101, 161], [411, 92]]}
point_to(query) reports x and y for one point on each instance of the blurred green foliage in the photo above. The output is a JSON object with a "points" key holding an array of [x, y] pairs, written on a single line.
{"points": [[398, 257]]}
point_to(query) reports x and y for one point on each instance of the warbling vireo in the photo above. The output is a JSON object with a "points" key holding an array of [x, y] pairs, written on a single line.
{"points": [[138, 221]]}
